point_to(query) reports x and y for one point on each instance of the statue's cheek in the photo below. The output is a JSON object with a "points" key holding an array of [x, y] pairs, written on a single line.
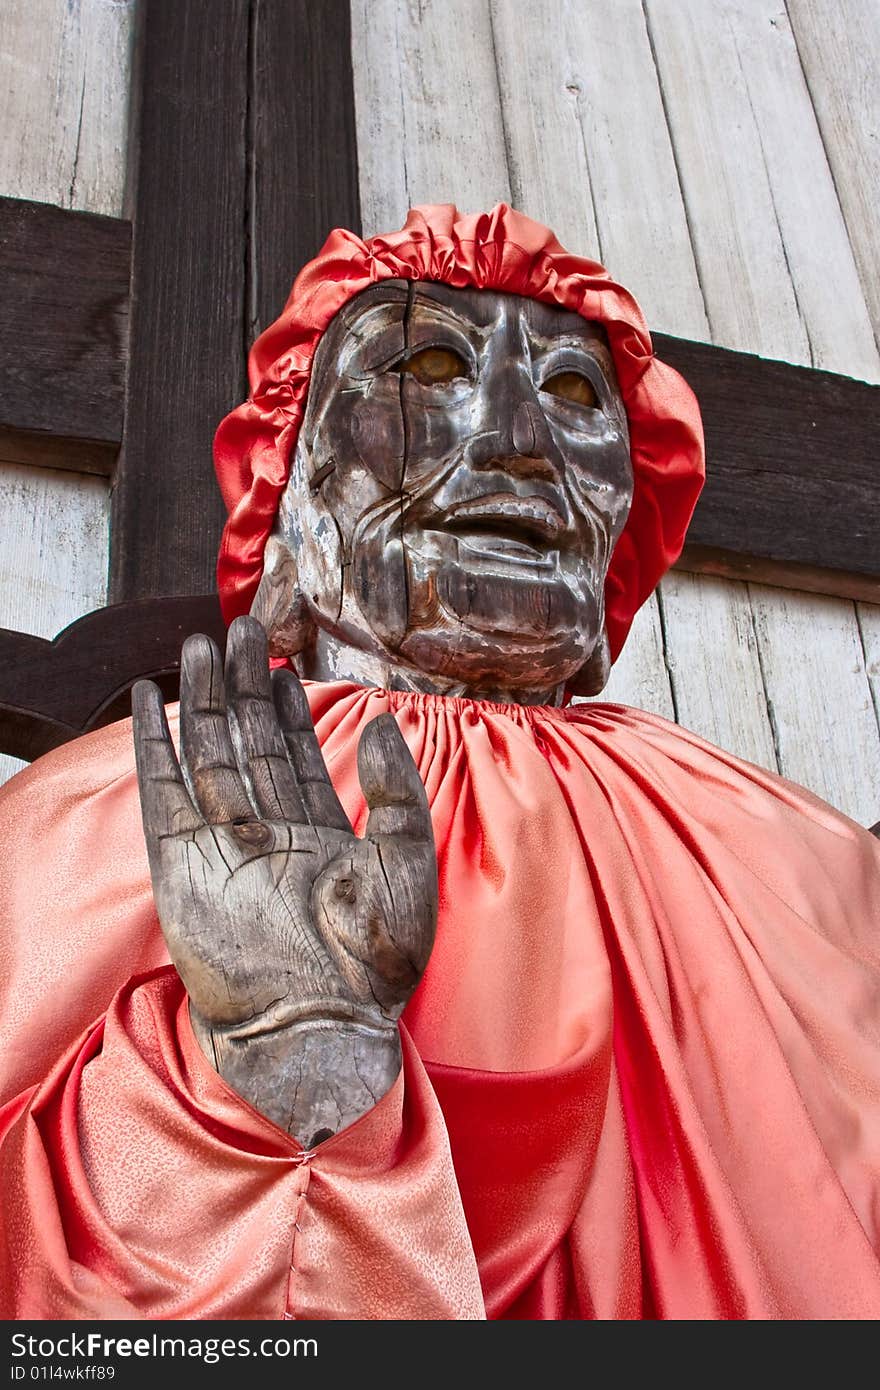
{"points": [[376, 435]]}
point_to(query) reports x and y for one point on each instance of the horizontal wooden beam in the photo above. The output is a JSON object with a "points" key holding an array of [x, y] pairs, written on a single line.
{"points": [[806, 579], [792, 490], [65, 279], [51, 691]]}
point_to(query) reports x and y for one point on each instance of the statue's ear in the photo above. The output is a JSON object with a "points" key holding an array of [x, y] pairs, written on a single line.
{"points": [[279, 604], [593, 675]]}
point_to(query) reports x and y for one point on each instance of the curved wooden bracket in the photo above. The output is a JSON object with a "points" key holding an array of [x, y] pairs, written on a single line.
{"points": [[54, 690]]}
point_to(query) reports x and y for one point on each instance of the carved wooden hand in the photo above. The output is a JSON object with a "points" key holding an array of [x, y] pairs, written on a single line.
{"points": [[299, 943]]}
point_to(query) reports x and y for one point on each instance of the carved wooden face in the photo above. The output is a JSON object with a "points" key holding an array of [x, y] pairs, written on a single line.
{"points": [[462, 475]]}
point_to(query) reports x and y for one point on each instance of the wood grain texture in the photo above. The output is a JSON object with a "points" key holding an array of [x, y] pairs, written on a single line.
{"points": [[838, 42], [869, 629], [589, 151], [640, 676], [805, 579], [764, 212], [52, 690], [64, 82], [733, 95], [53, 556], [429, 125], [712, 622], [64, 340], [188, 296], [826, 728], [64, 89], [302, 143], [784, 442], [449, 136]]}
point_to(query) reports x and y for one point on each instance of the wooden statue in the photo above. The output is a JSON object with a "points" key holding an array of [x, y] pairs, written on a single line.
{"points": [[487, 1003], [467, 558]]}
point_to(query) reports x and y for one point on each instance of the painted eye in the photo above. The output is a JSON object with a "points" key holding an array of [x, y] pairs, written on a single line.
{"points": [[434, 366], [571, 386]]}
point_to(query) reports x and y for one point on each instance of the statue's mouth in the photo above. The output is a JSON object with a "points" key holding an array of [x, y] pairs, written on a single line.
{"points": [[506, 527]]}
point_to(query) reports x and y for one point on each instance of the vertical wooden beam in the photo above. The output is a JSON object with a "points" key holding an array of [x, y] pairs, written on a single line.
{"points": [[304, 166], [246, 159], [188, 295]]}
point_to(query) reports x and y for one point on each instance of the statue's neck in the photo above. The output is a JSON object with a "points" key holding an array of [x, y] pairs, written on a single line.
{"points": [[328, 659]]}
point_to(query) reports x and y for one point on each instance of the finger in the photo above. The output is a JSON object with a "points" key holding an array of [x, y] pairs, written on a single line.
{"points": [[206, 749], [165, 802], [259, 745], [391, 784], [323, 806]]}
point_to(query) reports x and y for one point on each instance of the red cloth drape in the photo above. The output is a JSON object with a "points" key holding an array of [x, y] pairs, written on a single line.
{"points": [[642, 1069]]}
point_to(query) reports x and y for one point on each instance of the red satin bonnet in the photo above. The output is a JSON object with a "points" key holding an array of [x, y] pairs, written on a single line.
{"points": [[497, 250]]}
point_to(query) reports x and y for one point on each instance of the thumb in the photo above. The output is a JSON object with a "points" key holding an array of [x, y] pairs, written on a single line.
{"points": [[391, 784]]}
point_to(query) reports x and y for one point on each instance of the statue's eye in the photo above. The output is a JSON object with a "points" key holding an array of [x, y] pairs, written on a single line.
{"points": [[571, 386], [434, 366]]}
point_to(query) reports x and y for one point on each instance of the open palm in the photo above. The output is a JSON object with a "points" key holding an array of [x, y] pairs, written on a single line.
{"points": [[273, 910]]}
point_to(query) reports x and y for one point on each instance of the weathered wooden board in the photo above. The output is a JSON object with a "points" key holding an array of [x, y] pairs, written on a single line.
{"points": [[64, 82], [785, 441], [448, 138], [764, 213], [838, 43], [586, 132], [830, 727], [433, 130], [767, 290], [53, 557], [869, 627], [712, 622], [640, 675], [614, 125], [64, 338]]}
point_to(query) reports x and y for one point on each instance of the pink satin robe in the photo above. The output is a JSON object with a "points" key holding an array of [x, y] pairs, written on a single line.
{"points": [[641, 1078]]}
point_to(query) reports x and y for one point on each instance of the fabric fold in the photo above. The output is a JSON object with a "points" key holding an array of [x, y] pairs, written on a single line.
{"points": [[642, 1069]]}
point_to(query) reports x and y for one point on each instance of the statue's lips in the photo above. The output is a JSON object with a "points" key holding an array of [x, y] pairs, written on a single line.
{"points": [[505, 526]]}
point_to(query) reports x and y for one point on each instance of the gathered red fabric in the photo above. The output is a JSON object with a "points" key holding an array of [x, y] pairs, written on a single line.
{"points": [[499, 250], [641, 1072]]}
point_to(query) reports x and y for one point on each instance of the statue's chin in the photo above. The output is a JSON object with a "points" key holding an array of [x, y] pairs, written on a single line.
{"points": [[493, 625], [480, 662]]}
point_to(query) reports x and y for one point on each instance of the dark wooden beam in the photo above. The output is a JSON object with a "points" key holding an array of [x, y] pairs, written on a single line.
{"points": [[793, 486], [246, 159], [303, 143], [808, 579], [188, 294], [65, 325], [51, 691]]}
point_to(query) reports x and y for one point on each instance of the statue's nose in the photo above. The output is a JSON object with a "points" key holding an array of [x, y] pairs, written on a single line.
{"points": [[512, 432]]}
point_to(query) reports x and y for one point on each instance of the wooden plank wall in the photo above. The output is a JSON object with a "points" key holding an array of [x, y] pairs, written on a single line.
{"points": [[64, 82], [720, 157]]}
